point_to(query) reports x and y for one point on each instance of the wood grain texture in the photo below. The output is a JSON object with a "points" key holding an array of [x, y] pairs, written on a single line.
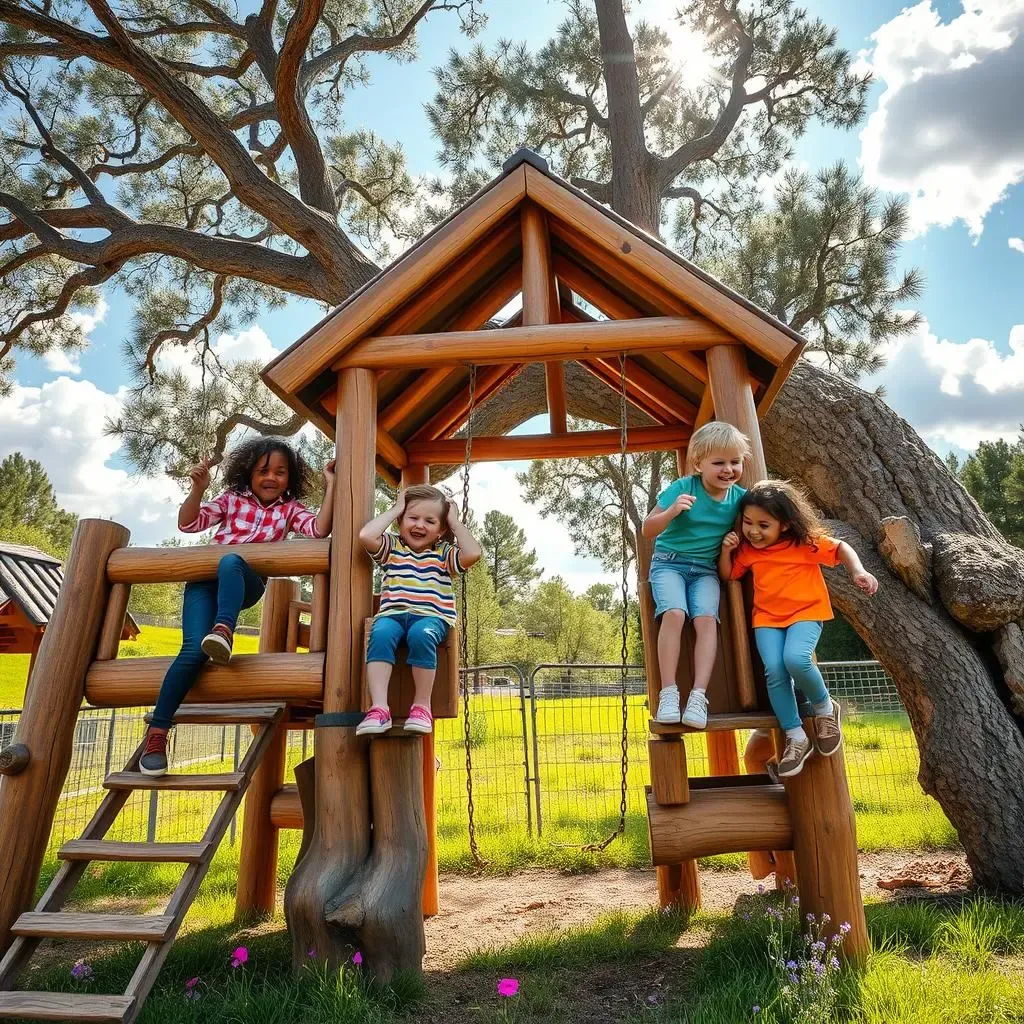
{"points": [[540, 343], [132, 682], [489, 381], [67, 925], [65, 1006], [669, 781], [295, 557], [759, 749], [113, 622], [47, 723], [150, 853], [226, 782]]}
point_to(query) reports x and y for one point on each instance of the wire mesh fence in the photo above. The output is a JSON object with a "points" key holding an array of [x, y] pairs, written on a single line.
{"points": [[544, 750]]}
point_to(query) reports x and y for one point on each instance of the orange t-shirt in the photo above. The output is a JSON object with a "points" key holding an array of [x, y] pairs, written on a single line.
{"points": [[788, 584]]}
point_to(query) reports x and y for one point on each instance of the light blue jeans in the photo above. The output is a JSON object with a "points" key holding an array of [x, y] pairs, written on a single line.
{"points": [[788, 656]]}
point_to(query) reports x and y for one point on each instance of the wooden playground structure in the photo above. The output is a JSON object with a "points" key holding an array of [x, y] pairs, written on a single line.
{"points": [[394, 374]]}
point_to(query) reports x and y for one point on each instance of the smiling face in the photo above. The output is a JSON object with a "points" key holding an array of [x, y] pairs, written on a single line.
{"points": [[719, 470], [760, 528], [422, 524], [270, 477]]}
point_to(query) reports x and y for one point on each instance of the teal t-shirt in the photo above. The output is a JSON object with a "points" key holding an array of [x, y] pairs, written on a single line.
{"points": [[698, 533]]}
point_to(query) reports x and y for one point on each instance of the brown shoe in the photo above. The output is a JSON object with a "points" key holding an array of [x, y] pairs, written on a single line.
{"points": [[828, 736], [794, 756]]}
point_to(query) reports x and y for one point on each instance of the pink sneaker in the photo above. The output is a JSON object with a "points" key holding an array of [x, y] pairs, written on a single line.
{"points": [[376, 721], [420, 719]]}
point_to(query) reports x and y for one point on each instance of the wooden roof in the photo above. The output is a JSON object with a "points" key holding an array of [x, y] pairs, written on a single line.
{"points": [[409, 320]]}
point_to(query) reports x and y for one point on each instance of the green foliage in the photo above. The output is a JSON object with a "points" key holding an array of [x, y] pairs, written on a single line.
{"points": [[483, 616], [574, 630], [839, 642], [512, 568], [29, 513], [994, 476]]}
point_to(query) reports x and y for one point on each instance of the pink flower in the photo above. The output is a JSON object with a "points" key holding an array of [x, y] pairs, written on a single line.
{"points": [[311, 953], [357, 958], [508, 987], [191, 984], [192, 993], [239, 957]]}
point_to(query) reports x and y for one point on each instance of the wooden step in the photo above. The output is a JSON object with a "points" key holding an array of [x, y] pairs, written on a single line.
{"points": [[155, 853], [719, 723], [226, 714], [127, 927], [227, 782], [70, 1006]]}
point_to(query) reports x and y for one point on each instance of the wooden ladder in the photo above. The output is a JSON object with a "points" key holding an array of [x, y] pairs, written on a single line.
{"points": [[157, 931]]}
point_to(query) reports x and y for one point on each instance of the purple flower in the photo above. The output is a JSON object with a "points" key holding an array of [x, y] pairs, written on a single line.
{"points": [[793, 979], [81, 971], [834, 963], [845, 927], [508, 987], [819, 969], [192, 993], [239, 957], [311, 953], [818, 947], [791, 965], [810, 919], [357, 958], [755, 1008]]}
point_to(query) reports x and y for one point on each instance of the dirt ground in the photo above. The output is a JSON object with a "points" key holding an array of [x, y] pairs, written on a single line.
{"points": [[483, 912]]}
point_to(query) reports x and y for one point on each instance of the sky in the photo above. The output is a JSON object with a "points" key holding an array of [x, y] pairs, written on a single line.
{"points": [[945, 129]]}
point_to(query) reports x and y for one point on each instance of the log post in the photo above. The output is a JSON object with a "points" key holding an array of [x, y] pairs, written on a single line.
{"points": [[113, 622], [47, 723], [417, 473], [256, 892], [760, 749]]}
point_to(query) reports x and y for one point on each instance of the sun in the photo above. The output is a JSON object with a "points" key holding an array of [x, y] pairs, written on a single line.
{"points": [[690, 49]]}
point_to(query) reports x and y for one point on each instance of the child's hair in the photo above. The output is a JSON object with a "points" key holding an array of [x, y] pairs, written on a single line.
{"points": [[787, 503], [715, 437], [243, 459], [425, 492]]}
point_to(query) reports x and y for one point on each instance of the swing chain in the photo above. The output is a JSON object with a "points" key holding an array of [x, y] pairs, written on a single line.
{"points": [[464, 631], [624, 652]]}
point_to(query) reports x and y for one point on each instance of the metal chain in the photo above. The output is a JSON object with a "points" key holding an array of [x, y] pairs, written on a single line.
{"points": [[464, 633], [623, 526]]}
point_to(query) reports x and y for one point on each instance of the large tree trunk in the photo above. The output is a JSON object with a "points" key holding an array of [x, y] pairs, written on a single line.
{"points": [[946, 621]]}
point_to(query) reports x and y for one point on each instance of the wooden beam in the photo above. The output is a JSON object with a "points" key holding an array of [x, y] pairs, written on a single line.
{"points": [[632, 248], [412, 397], [297, 557], [307, 358], [543, 343], [612, 380], [729, 383], [390, 449], [580, 444], [453, 414], [660, 394]]}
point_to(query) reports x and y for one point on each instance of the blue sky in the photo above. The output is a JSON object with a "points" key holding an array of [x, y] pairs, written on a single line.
{"points": [[936, 132]]}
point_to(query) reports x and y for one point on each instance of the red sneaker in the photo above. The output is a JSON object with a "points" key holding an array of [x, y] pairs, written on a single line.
{"points": [[376, 721], [154, 757], [217, 644], [420, 719]]}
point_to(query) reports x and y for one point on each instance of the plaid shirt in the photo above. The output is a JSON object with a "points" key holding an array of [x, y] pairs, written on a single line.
{"points": [[244, 520]]}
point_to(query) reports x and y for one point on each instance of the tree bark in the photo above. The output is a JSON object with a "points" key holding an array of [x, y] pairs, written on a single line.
{"points": [[947, 635]]}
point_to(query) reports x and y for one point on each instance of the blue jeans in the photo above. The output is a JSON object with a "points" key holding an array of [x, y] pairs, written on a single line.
{"points": [[206, 603], [422, 634], [680, 582], [788, 657]]}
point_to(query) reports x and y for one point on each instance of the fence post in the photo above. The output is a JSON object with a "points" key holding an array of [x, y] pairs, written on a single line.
{"points": [[111, 730], [526, 752], [536, 749]]}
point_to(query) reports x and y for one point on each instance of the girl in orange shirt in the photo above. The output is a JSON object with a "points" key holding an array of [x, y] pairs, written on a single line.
{"points": [[784, 545]]}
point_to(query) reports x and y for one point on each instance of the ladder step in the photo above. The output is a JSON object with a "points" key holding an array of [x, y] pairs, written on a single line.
{"points": [[70, 1006], [719, 723], [127, 927], [227, 782], [157, 853], [226, 714]]}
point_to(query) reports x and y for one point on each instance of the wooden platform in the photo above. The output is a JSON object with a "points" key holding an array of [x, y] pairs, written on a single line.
{"points": [[719, 723]]}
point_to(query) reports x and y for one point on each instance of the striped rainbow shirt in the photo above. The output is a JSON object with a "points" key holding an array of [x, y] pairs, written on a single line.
{"points": [[417, 582]]}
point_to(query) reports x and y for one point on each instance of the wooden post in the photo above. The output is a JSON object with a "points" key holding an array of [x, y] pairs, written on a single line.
{"points": [[318, 614], [418, 473], [113, 622], [825, 848], [256, 891], [759, 750], [47, 723]]}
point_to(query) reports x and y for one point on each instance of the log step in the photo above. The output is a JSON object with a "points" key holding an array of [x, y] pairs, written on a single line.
{"points": [[226, 714], [719, 723], [69, 1006], [126, 927], [153, 853], [228, 782]]}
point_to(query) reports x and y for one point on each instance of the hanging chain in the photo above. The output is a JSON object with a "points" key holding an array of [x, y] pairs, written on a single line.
{"points": [[623, 526], [464, 633]]}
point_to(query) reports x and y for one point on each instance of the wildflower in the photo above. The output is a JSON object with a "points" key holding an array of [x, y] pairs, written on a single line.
{"points": [[834, 963], [755, 1008], [508, 987], [311, 953], [794, 901], [793, 979], [845, 927], [818, 947], [239, 957], [191, 991], [810, 919], [760, 890], [825, 919], [81, 971], [357, 958], [791, 965], [819, 969]]}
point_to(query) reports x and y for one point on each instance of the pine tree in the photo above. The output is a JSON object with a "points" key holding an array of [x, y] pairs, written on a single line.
{"points": [[512, 568]]}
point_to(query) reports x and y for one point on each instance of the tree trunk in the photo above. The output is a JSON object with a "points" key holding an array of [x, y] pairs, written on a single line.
{"points": [[946, 621]]}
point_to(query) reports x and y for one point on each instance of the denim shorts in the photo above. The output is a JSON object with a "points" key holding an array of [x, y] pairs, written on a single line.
{"points": [[678, 582]]}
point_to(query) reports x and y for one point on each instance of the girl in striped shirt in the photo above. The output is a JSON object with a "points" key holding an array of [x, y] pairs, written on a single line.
{"points": [[417, 597]]}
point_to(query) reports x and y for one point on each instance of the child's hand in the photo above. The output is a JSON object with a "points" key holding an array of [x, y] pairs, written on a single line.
{"points": [[329, 472], [683, 503], [200, 474], [730, 541], [863, 580], [400, 501]]}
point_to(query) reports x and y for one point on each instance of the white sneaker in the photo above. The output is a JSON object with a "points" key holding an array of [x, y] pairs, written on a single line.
{"points": [[696, 714], [668, 706]]}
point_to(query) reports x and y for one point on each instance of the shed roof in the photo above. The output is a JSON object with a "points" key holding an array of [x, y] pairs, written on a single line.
{"points": [[32, 579], [470, 266]]}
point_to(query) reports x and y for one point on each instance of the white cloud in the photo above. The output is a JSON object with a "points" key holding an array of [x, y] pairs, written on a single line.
{"points": [[956, 393], [949, 127], [59, 361], [251, 344], [60, 424], [63, 362], [1017, 244]]}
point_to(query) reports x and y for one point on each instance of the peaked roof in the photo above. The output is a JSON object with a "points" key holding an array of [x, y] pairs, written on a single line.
{"points": [[457, 278], [31, 578]]}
